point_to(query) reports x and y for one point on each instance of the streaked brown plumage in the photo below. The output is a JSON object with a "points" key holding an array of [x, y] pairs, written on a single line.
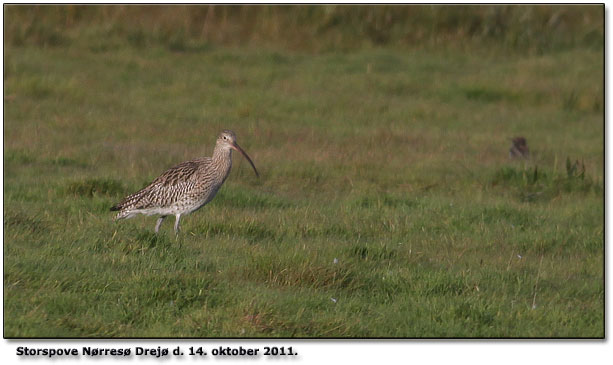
{"points": [[519, 148], [186, 187]]}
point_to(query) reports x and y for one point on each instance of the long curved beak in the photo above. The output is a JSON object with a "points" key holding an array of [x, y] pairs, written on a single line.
{"points": [[235, 146]]}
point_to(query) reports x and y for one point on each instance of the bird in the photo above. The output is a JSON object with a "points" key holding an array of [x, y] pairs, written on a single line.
{"points": [[519, 148], [186, 187]]}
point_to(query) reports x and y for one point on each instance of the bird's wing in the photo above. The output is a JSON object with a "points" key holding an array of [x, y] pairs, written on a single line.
{"points": [[166, 188]]}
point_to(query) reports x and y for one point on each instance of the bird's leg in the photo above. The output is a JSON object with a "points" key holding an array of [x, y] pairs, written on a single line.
{"points": [[178, 218], [159, 223]]}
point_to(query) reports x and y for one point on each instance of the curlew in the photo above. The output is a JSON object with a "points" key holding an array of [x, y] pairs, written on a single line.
{"points": [[186, 187], [519, 148]]}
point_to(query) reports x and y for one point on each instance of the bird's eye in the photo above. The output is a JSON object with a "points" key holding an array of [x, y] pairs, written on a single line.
{"points": [[224, 137]]}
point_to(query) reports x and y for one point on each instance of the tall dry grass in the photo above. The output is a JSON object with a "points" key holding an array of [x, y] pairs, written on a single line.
{"points": [[537, 28]]}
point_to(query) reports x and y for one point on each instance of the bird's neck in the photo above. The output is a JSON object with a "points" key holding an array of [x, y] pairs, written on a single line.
{"points": [[222, 157]]}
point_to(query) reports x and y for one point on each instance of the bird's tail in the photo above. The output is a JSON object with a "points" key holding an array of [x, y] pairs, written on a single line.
{"points": [[128, 205], [118, 207], [124, 214]]}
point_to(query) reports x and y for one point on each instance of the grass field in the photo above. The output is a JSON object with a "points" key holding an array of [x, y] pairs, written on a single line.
{"points": [[387, 203]]}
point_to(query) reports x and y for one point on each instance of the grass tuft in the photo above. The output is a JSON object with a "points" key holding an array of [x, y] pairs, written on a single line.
{"points": [[23, 222], [93, 187], [534, 184]]}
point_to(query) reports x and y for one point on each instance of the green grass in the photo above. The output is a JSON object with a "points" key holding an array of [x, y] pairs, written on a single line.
{"points": [[387, 204]]}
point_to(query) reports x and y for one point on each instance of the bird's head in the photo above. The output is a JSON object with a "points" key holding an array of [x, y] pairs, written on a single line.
{"points": [[227, 140], [519, 141]]}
